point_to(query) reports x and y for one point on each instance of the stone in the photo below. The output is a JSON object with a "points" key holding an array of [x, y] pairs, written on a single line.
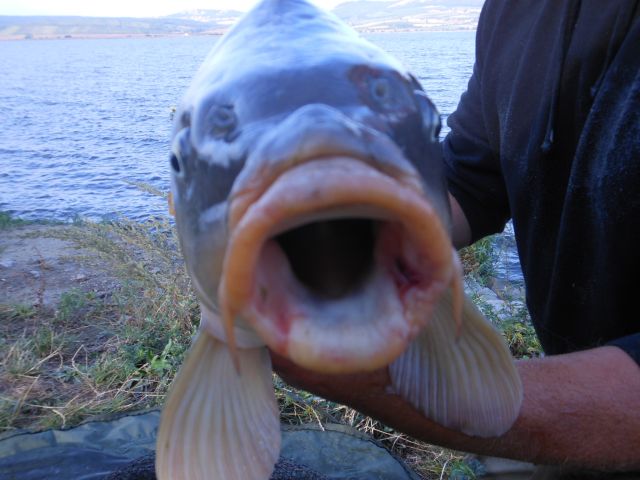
{"points": [[7, 263]]}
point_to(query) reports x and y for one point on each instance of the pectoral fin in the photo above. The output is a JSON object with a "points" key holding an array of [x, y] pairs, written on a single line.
{"points": [[217, 424], [465, 380]]}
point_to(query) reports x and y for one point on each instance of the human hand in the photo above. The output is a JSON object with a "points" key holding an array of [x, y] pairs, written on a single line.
{"points": [[370, 393], [357, 390]]}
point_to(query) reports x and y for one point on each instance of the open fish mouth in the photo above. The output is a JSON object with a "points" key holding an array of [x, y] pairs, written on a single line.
{"points": [[336, 265]]}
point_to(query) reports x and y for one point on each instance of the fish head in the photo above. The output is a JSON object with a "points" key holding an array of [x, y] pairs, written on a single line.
{"points": [[309, 192]]}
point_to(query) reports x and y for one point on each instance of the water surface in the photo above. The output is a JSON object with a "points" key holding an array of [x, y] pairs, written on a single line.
{"points": [[80, 119]]}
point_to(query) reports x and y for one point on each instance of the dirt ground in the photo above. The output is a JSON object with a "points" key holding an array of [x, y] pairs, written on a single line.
{"points": [[74, 343], [36, 268]]}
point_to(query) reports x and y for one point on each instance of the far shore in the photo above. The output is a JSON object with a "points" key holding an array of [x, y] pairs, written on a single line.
{"points": [[102, 36]]}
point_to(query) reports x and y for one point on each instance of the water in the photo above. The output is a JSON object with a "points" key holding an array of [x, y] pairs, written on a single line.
{"points": [[80, 119]]}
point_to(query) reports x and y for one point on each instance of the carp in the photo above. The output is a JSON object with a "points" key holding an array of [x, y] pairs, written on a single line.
{"points": [[312, 210]]}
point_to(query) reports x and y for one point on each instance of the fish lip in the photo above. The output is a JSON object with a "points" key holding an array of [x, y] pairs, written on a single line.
{"points": [[311, 132], [296, 336]]}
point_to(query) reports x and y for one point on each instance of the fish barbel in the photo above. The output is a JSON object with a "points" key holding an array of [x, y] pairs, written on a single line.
{"points": [[312, 211]]}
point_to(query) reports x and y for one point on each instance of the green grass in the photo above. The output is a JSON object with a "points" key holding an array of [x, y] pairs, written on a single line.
{"points": [[16, 311], [478, 260], [7, 221], [18, 357], [521, 338], [515, 325]]}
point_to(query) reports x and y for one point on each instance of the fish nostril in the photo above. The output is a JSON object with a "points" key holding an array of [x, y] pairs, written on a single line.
{"points": [[180, 151], [222, 119], [185, 119]]}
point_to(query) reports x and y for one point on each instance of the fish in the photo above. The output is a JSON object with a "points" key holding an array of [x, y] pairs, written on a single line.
{"points": [[312, 210]]}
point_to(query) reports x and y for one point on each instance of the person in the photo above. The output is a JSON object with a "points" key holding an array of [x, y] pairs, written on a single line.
{"points": [[548, 135]]}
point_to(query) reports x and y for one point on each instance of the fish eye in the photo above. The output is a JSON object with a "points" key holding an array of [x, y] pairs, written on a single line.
{"points": [[380, 89], [222, 119]]}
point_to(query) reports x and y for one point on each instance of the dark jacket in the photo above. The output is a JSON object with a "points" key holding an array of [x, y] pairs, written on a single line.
{"points": [[548, 134]]}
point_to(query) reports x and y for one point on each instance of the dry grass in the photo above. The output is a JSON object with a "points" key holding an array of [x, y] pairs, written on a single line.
{"points": [[93, 356]]}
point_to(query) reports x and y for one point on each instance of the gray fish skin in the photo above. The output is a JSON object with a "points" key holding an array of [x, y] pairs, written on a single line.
{"points": [[290, 80]]}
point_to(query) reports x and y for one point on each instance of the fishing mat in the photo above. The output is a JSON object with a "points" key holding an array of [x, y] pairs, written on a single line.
{"points": [[123, 447]]}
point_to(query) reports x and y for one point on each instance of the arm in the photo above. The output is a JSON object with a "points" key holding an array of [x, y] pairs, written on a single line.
{"points": [[460, 229], [581, 409]]}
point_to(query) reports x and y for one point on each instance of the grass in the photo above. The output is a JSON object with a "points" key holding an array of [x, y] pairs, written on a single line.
{"points": [[93, 356], [479, 259], [7, 221], [99, 355]]}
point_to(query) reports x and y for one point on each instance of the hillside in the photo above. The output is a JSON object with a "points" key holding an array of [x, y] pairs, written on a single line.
{"points": [[18, 27], [364, 15], [410, 15]]}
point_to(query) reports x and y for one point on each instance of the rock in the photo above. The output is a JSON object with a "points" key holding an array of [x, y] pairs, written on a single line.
{"points": [[34, 273], [7, 263], [494, 306], [80, 277]]}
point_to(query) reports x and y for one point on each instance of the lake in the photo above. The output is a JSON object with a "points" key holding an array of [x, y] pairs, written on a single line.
{"points": [[81, 119]]}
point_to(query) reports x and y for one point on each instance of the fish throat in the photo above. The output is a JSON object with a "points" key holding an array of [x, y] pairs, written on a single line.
{"points": [[336, 265], [331, 258], [335, 259]]}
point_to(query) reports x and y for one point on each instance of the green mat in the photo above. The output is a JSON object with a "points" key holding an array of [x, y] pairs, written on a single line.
{"points": [[96, 448]]}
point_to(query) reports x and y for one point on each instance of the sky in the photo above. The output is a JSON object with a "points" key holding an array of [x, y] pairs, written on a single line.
{"points": [[126, 8]]}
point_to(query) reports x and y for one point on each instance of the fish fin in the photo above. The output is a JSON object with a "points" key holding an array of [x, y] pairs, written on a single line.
{"points": [[172, 208], [230, 334], [216, 424], [457, 293], [465, 381]]}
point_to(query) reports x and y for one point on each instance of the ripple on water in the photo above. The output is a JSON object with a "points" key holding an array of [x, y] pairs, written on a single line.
{"points": [[80, 118]]}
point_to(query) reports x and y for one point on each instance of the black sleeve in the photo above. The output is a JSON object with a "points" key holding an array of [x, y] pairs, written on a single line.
{"points": [[630, 345], [472, 166]]}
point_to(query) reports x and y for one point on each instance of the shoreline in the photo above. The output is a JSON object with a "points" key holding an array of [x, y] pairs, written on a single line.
{"points": [[104, 36], [136, 36]]}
